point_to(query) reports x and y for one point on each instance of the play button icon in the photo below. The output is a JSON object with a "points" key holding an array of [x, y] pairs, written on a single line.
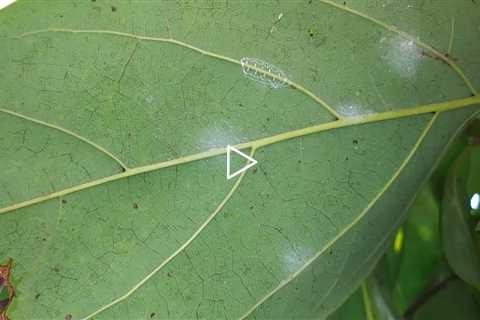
{"points": [[251, 162]]}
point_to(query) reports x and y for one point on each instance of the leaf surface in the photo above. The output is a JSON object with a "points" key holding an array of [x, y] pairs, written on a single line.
{"points": [[114, 123]]}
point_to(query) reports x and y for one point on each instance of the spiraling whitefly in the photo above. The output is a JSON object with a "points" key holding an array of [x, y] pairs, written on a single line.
{"points": [[279, 81]]}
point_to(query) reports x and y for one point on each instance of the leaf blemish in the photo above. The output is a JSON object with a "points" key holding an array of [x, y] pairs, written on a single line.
{"points": [[5, 270], [427, 54]]}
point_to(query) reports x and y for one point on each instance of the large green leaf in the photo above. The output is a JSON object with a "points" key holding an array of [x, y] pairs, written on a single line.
{"points": [[167, 235]]}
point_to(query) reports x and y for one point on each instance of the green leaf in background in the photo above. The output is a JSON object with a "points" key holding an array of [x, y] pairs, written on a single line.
{"points": [[377, 297], [353, 308], [114, 123], [370, 302], [459, 238], [420, 250], [456, 301]]}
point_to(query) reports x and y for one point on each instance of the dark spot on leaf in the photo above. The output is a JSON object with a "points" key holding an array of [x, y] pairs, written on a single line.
{"points": [[56, 269], [344, 3], [3, 305], [170, 274], [355, 141], [299, 161], [346, 158], [94, 0], [37, 296], [114, 8], [310, 1], [268, 119], [64, 201], [437, 57], [450, 57], [152, 314], [330, 252], [135, 206], [68, 317], [44, 239], [251, 207], [240, 105]]}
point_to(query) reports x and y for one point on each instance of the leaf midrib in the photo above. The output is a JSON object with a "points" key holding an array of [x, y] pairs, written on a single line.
{"points": [[256, 144]]}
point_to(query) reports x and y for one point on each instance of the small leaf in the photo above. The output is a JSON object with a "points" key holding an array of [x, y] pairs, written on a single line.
{"points": [[409, 270], [457, 225]]}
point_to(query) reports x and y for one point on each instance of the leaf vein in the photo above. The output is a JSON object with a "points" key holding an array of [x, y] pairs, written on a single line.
{"points": [[405, 35], [350, 225], [191, 47], [68, 132], [210, 218]]}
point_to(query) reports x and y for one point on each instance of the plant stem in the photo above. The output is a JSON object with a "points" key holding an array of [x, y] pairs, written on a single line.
{"points": [[426, 296]]}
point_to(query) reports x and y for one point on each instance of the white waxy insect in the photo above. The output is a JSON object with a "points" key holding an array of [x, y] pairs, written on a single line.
{"points": [[475, 201], [261, 72]]}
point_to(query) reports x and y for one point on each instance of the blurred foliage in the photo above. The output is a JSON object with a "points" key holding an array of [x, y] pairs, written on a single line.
{"points": [[460, 241], [455, 301], [432, 269]]}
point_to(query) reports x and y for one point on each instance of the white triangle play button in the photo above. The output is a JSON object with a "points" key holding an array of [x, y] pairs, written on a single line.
{"points": [[251, 162]]}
